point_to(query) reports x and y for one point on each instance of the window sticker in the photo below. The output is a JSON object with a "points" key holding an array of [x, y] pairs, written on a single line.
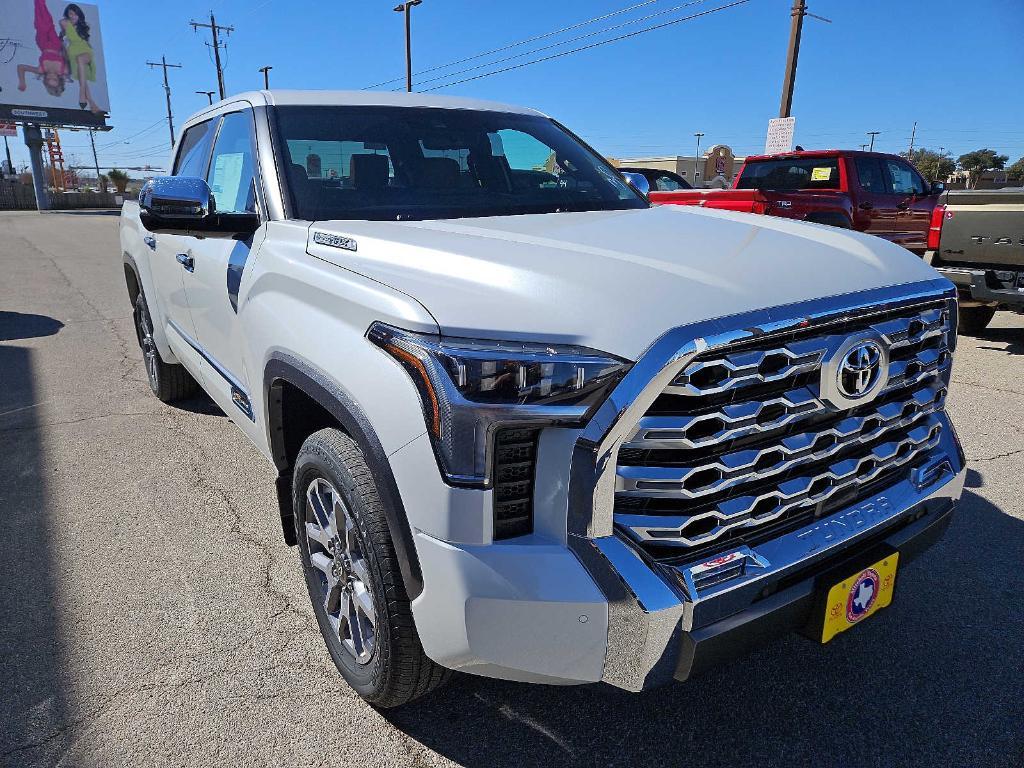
{"points": [[821, 174]]}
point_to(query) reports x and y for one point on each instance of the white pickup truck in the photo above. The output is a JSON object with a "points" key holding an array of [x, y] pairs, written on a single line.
{"points": [[525, 424]]}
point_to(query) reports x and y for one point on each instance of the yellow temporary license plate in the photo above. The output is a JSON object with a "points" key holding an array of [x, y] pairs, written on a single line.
{"points": [[853, 600]]}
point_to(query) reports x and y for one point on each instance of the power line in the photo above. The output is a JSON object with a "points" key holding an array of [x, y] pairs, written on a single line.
{"points": [[594, 45], [565, 42], [516, 44]]}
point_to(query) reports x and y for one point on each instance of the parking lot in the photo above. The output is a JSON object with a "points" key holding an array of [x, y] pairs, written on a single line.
{"points": [[150, 613]]}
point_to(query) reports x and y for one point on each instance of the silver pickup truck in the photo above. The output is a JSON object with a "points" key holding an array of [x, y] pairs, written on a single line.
{"points": [[977, 241]]}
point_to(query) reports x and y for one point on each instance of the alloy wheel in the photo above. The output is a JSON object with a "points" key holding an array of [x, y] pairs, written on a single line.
{"points": [[149, 353], [337, 557]]}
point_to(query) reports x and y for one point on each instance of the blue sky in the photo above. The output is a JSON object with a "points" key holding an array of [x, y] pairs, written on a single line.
{"points": [[955, 67]]}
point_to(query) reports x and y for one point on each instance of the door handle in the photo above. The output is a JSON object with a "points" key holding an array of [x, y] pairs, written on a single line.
{"points": [[186, 261], [150, 241], [865, 206], [902, 206]]}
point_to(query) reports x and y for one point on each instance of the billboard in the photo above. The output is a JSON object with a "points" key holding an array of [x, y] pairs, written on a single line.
{"points": [[52, 67]]}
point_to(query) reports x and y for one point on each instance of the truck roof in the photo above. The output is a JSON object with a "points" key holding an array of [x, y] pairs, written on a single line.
{"points": [[818, 153], [368, 98]]}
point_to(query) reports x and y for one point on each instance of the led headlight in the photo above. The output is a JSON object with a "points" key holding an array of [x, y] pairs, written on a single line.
{"points": [[469, 387]]}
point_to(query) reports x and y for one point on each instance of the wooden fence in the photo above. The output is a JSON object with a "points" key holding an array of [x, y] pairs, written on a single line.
{"points": [[14, 197]]}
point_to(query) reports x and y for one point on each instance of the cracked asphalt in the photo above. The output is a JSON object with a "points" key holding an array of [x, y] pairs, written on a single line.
{"points": [[150, 613]]}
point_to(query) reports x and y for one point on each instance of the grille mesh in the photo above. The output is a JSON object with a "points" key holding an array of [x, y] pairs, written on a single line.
{"points": [[739, 443]]}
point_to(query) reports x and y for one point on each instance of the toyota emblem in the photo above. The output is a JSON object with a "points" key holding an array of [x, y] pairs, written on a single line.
{"points": [[860, 369]]}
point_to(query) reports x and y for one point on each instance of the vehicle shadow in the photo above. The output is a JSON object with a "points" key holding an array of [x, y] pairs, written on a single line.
{"points": [[34, 705], [1012, 337], [201, 404], [934, 680], [18, 325]]}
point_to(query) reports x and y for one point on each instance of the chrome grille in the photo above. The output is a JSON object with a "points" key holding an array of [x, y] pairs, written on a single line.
{"points": [[742, 437]]}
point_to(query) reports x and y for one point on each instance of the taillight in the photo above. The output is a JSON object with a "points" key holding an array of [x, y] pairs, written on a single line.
{"points": [[760, 203], [939, 215]]}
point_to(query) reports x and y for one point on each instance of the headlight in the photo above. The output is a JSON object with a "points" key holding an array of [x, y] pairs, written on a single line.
{"points": [[469, 387]]}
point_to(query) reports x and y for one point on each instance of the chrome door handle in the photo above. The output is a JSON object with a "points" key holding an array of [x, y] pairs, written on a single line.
{"points": [[150, 241], [186, 261]]}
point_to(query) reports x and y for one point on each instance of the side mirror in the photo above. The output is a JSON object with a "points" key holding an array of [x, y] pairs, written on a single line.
{"points": [[938, 187], [638, 182], [185, 205]]}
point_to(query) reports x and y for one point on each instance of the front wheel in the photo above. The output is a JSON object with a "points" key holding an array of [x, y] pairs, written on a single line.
{"points": [[169, 381], [353, 576], [973, 320]]}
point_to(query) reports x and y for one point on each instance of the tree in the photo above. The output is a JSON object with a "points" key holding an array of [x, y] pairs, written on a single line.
{"points": [[932, 165], [1016, 171], [974, 163], [119, 178], [103, 182]]}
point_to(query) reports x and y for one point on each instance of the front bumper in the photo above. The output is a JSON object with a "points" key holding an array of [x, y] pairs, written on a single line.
{"points": [[988, 286], [661, 628]]}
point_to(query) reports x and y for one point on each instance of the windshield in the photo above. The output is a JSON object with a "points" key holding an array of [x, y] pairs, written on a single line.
{"points": [[789, 174], [397, 163]]}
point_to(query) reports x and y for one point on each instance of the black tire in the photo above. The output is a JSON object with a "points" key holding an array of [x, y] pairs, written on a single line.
{"points": [[974, 320], [396, 670], [169, 381]]}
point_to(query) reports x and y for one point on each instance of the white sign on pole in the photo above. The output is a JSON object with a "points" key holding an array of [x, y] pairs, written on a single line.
{"points": [[780, 135], [8, 129]]}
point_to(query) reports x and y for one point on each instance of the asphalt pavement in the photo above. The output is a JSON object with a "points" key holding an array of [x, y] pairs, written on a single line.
{"points": [[150, 614]]}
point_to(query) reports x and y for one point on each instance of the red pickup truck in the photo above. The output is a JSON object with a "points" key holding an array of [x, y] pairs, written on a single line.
{"points": [[871, 192]]}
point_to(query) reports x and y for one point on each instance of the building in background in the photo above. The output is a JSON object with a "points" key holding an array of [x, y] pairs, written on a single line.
{"points": [[715, 168]]}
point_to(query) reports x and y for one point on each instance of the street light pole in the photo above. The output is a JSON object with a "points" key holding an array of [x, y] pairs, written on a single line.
{"points": [[207, 94], [266, 77], [872, 134], [405, 8], [696, 159]]}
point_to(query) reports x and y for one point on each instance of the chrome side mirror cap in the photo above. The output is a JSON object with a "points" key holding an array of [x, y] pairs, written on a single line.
{"points": [[638, 182], [185, 205]]}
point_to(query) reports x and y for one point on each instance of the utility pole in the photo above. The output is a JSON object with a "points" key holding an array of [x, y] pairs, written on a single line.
{"points": [[872, 134], [405, 8], [7, 149], [913, 132], [863, 147], [167, 91], [214, 28], [796, 28], [696, 159], [266, 77], [207, 94], [95, 160]]}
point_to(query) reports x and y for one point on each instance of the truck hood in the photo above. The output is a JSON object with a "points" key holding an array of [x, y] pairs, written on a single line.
{"points": [[611, 280]]}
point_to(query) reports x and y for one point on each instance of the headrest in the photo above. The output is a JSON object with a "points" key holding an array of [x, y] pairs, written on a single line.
{"points": [[438, 172], [369, 171]]}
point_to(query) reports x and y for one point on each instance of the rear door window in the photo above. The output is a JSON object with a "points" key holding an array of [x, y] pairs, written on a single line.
{"points": [[870, 176]]}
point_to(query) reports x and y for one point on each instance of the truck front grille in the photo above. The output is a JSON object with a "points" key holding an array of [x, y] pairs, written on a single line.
{"points": [[741, 443]]}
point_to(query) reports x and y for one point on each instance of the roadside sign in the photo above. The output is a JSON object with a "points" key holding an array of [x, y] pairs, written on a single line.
{"points": [[8, 129], [780, 135]]}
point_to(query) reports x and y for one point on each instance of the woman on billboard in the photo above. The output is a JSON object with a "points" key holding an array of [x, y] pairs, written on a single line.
{"points": [[59, 53]]}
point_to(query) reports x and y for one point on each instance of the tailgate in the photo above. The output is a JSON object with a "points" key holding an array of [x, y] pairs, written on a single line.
{"points": [[983, 228]]}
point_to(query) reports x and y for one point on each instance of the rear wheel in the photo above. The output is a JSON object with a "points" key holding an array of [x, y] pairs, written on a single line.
{"points": [[353, 576], [974, 320], [168, 381]]}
